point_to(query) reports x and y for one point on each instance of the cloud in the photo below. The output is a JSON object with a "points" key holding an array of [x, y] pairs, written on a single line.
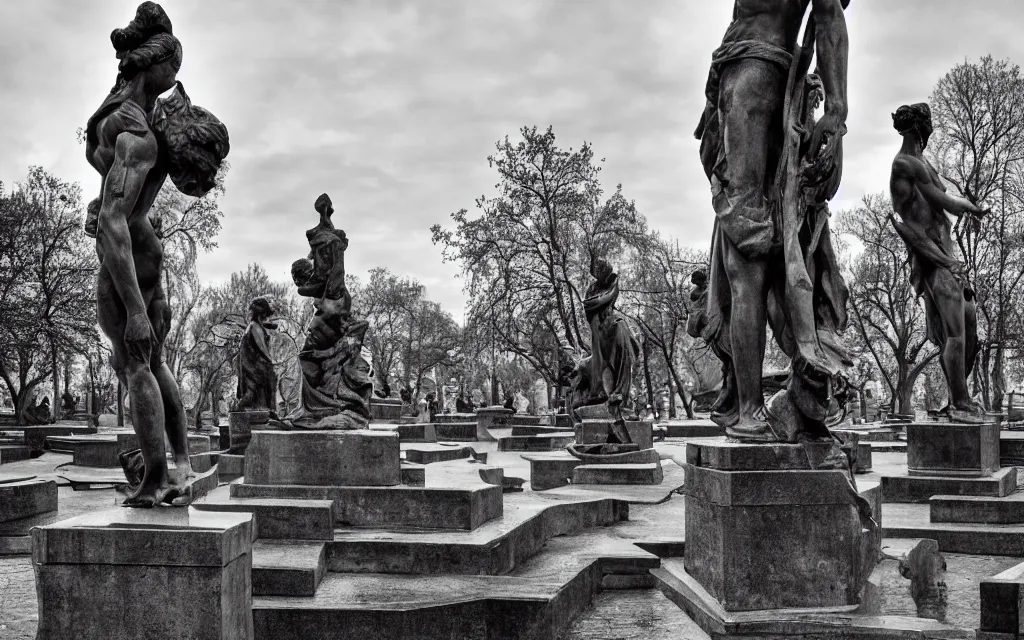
{"points": [[392, 107]]}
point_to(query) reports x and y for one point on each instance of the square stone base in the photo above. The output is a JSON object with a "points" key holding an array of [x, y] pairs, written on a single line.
{"points": [[913, 488], [323, 458], [765, 531], [26, 498], [595, 431], [643, 473], [125, 574], [952, 449]]}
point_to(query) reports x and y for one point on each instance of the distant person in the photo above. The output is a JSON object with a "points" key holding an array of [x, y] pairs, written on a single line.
{"points": [[510, 402]]}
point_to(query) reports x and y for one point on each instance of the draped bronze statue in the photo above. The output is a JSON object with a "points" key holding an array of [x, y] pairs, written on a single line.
{"points": [[135, 141], [336, 384], [921, 201], [772, 170], [257, 380]]}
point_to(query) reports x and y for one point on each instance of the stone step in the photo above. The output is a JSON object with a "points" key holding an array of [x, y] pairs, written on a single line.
{"points": [[429, 453], [287, 568], [547, 442], [539, 601], [537, 430], [914, 488], [464, 507], [692, 429], [496, 548], [413, 475], [26, 498], [14, 453], [978, 509], [1011, 448], [1000, 604], [35, 436], [648, 473], [415, 432], [456, 431], [551, 470], [281, 519], [914, 521]]}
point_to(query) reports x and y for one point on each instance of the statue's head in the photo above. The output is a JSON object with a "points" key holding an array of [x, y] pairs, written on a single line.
{"points": [[302, 270], [261, 308], [699, 278], [323, 205], [147, 47], [602, 270], [915, 118]]}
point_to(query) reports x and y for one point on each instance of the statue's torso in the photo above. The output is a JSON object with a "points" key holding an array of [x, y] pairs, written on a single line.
{"points": [[773, 21], [915, 210]]}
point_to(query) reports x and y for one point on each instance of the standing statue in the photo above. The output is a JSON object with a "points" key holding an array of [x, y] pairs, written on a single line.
{"points": [[135, 141], [772, 169], [257, 381], [614, 350], [920, 199], [336, 384]]}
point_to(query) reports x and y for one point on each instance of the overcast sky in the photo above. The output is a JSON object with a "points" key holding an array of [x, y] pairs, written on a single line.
{"points": [[393, 107]]}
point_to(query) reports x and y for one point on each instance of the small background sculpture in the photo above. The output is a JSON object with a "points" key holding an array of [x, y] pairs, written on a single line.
{"points": [[336, 383]]}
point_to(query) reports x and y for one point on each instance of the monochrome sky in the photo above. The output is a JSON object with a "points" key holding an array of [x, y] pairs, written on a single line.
{"points": [[392, 106]]}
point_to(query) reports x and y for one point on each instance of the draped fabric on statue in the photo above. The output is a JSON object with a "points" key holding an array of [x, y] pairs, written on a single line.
{"points": [[615, 349], [257, 381]]}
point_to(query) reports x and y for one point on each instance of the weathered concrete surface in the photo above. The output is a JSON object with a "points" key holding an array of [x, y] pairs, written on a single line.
{"points": [[645, 473], [95, 575], [978, 509], [940, 448], [595, 431], [399, 506], [279, 519], [914, 488], [413, 432], [634, 615], [544, 442], [914, 521], [385, 409], [14, 452], [323, 458], [287, 567], [26, 498]]}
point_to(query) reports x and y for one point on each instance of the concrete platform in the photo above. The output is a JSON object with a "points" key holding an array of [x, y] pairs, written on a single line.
{"points": [[1011, 448], [14, 453], [98, 450], [546, 442], [414, 432], [915, 488], [691, 429], [278, 518], [537, 601], [428, 453], [617, 474], [461, 431], [978, 509], [25, 498], [287, 568], [35, 436], [914, 521], [819, 623], [399, 506]]}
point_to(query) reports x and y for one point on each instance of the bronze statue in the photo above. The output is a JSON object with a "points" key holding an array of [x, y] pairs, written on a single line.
{"points": [[257, 381], [135, 141], [772, 169], [921, 201], [336, 384]]}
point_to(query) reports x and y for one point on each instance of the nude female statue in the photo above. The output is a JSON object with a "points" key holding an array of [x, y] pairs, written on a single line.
{"points": [[135, 141], [920, 199]]}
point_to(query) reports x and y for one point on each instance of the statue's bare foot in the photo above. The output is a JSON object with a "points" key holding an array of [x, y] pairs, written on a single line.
{"points": [[752, 428], [147, 496], [970, 413]]}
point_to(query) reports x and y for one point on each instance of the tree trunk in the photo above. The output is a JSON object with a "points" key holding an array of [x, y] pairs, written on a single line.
{"points": [[120, 404], [56, 403], [671, 399], [647, 372], [998, 380]]}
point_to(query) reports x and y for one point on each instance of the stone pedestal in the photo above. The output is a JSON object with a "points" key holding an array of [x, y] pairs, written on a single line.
{"points": [[324, 458], [950, 449], [945, 458], [240, 427], [595, 431], [385, 410], [764, 531], [125, 574], [24, 498]]}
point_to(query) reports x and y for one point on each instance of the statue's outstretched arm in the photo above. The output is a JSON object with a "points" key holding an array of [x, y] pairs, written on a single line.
{"points": [[134, 156], [917, 172]]}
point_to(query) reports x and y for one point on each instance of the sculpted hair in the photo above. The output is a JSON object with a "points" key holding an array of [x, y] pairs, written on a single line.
{"points": [[913, 116], [148, 40]]}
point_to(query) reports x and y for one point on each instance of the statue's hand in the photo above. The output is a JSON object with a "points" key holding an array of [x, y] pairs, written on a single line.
{"points": [[138, 337], [827, 134]]}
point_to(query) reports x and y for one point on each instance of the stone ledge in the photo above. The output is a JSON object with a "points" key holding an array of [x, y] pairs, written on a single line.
{"points": [[323, 458], [978, 509], [287, 568], [614, 474], [547, 442], [907, 488], [173, 536], [759, 488], [401, 506], [26, 498], [280, 519]]}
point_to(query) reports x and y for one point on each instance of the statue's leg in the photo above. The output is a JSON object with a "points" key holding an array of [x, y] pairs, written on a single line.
{"points": [[949, 301], [175, 420], [750, 107], [146, 402]]}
